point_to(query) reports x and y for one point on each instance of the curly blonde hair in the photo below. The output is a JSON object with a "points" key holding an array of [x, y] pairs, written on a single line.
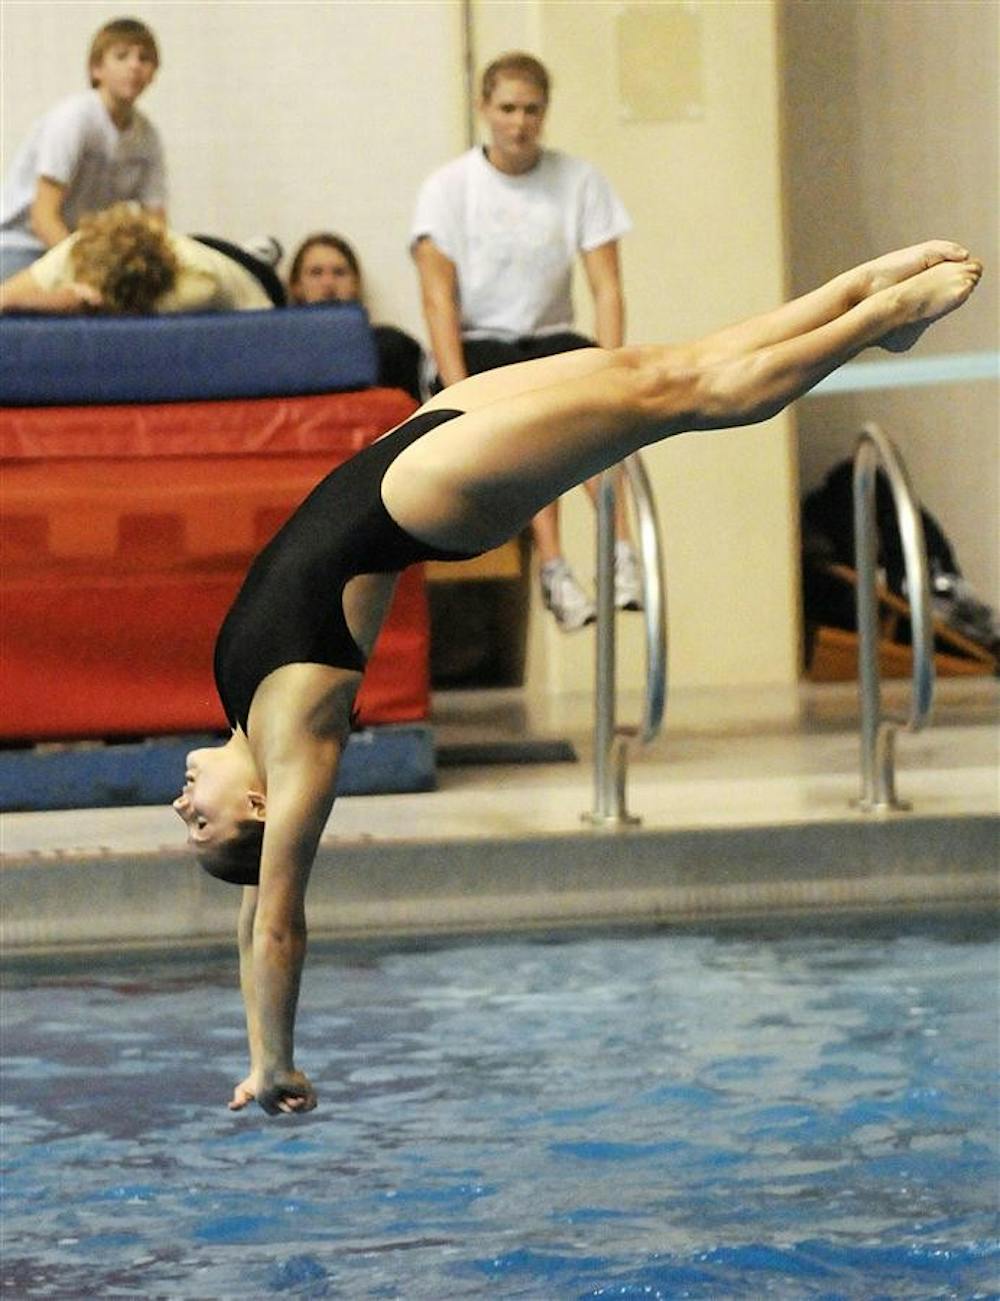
{"points": [[125, 254]]}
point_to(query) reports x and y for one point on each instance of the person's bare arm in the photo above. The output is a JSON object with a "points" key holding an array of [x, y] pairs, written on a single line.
{"points": [[604, 278], [247, 1089], [46, 214], [21, 292], [299, 797], [439, 295]]}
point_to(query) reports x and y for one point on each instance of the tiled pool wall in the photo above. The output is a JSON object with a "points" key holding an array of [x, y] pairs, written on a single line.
{"points": [[371, 887]]}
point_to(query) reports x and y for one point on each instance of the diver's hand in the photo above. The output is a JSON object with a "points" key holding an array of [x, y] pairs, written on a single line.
{"points": [[245, 1092], [283, 1092]]}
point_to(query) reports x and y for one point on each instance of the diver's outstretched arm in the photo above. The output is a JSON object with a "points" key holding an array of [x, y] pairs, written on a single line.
{"points": [[246, 1091], [300, 793]]}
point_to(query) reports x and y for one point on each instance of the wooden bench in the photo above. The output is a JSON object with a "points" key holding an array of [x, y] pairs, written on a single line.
{"points": [[834, 651]]}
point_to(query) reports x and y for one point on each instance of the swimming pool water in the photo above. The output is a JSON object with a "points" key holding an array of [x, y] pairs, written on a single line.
{"points": [[655, 1115]]}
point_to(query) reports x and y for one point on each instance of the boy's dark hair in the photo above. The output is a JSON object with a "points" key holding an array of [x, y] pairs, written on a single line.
{"points": [[237, 860], [517, 64], [120, 31]]}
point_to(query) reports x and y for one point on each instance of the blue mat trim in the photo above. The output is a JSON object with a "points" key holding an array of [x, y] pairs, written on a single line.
{"points": [[386, 760], [47, 361]]}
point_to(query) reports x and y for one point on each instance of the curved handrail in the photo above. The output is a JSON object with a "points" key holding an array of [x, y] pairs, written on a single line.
{"points": [[654, 594], [878, 730], [610, 743]]}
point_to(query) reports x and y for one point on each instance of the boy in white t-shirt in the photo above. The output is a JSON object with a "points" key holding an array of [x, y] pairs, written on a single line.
{"points": [[88, 152], [495, 237]]}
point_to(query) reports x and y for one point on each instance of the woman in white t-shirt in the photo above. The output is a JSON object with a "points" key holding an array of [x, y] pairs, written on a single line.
{"points": [[495, 237]]}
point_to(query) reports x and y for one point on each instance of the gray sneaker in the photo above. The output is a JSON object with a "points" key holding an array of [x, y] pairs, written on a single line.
{"points": [[564, 596], [628, 578]]}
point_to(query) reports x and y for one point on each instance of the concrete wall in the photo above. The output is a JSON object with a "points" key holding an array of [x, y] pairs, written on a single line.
{"points": [[376, 888], [891, 136]]}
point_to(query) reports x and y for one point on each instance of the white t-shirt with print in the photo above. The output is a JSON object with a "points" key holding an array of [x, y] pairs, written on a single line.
{"points": [[77, 145], [514, 239]]}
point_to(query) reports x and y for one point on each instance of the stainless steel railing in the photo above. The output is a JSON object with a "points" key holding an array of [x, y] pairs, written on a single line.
{"points": [[878, 730], [611, 743]]}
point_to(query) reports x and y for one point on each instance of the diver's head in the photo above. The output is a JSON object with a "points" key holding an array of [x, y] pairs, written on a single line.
{"points": [[223, 806]]}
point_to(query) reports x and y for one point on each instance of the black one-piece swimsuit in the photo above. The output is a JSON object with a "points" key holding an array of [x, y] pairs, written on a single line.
{"points": [[290, 608]]}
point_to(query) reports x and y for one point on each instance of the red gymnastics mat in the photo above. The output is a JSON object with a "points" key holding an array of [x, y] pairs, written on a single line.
{"points": [[126, 531]]}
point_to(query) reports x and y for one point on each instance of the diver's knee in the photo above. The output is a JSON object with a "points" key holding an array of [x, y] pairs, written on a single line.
{"points": [[663, 383]]}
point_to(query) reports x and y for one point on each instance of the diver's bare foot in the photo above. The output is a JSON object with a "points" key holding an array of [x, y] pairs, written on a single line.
{"points": [[883, 272], [926, 297]]}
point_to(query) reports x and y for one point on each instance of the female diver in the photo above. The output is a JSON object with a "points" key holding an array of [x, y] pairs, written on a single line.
{"points": [[465, 473]]}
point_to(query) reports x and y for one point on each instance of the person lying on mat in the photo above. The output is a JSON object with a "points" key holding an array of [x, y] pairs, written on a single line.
{"points": [[126, 261], [458, 478]]}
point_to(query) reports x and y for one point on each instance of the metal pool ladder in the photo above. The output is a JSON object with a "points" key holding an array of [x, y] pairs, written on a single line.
{"points": [[612, 744], [878, 730]]}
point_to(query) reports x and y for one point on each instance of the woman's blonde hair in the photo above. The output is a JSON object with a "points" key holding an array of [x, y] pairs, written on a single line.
{"points": [[124, 253], [519, 66]]}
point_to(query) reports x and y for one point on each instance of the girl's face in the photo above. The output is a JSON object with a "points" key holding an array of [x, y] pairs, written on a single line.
{"points": [[214, 798], [325, 276]]}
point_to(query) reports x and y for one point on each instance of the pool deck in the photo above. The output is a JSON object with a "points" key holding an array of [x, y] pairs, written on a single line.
{"points": [[745, 804]]}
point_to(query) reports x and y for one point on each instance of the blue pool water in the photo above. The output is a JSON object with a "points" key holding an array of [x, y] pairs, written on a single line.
{"points": [[625, 1116]]}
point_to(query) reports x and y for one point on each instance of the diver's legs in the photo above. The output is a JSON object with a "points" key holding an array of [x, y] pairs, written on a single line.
{"points": [[475, 480], [790, 320]]}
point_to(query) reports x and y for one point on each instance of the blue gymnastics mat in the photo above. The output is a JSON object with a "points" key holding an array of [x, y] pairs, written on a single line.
{"points": [[387, 760], [86, 361]]}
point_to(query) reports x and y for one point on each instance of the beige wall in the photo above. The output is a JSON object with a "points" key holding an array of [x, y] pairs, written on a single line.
{"points": [[284, 117], [892, 137], [281, 118]]}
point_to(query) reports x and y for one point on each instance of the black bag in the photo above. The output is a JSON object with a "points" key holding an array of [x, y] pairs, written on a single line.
{"points": [[828, 538]]}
